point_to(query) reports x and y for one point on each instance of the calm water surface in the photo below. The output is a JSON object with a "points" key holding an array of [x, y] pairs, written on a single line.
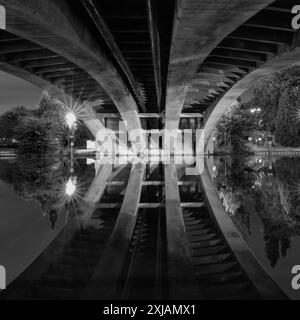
{"points": [[261, 196]]}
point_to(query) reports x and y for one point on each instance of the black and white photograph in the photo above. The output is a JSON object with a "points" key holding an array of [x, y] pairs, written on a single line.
{"points": [[149, 153]]}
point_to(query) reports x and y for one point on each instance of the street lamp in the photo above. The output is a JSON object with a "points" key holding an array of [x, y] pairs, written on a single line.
{"points": [[255, 110], [71, 120]]}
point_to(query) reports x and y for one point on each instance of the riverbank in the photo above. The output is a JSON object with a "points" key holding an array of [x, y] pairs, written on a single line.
{"points": [[277, 151], [7, 153]]}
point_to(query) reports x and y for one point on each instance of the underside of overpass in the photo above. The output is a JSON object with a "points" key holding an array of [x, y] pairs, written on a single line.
{"points": [[152, 66], [176, 66]]}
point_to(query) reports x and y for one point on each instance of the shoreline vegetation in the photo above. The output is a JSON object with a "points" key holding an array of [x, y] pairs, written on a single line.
{"points": [[273, 111], [39, 131]]}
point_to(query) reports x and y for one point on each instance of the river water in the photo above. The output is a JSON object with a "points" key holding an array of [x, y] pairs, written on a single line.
{"points": [[262, 197]]}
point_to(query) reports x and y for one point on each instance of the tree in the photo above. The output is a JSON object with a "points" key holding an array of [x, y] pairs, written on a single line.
{"points": [[287, 130], [278, 99], [236, 126], [41, 130], [35, 135], [10, 120]]}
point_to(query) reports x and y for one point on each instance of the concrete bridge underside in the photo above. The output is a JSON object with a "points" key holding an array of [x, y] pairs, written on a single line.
{"points": [[63, 53], [193, 57]]}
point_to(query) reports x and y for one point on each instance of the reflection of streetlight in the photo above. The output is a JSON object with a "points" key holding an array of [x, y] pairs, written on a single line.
{"points": [[71, 120], [71, 186]]}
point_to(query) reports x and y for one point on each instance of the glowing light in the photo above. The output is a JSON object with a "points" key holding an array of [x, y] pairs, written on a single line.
{"points": [[253, 110], [71, 187], [71, 119], [298, 114]]}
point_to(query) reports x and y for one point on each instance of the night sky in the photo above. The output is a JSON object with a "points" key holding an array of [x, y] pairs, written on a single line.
{"points": [[17, 92]]}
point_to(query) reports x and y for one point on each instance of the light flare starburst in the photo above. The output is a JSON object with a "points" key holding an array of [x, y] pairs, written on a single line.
{"points": [[78, 108], [297, 114]]}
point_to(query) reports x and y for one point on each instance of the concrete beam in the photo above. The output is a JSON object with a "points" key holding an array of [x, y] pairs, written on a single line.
{"points": [[56, 61], [82, 86], [54, 68], [182, 281], [267, 36], [198, 28], [105, 281], [17, 46], [155, 48], [72, 78], [218, 71], [103, 178], [205, 77], [60, 75], [237, 54], [32, 55], [103, 29], [248, 46], [225, 68], [234, 62], [57, 27]]}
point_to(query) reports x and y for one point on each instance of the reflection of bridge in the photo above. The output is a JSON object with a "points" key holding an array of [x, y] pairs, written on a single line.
{"points": [[149, 231], [130, 57], [144, 60]]}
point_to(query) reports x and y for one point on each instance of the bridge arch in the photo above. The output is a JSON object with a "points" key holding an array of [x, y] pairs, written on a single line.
{"points": [[56, 28], [263, 45], [88, 116], [198, 28]]}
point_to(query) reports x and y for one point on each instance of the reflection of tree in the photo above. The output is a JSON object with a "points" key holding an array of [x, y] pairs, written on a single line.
{"points": [[236, 193], [288, 177], [44, 179], [278, 209], [38, 179], [273, 197], [277, 241]]}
